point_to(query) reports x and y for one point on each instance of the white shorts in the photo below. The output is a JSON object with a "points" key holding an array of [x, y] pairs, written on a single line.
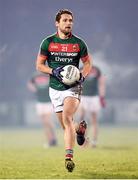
{"points": [[91, 103], [44, 108], [57, 97]]}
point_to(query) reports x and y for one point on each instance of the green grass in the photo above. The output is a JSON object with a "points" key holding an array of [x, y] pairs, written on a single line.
{"points": [[22, 156]]}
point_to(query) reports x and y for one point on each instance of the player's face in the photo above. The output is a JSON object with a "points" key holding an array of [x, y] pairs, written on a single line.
{"points": [[65, 24]]}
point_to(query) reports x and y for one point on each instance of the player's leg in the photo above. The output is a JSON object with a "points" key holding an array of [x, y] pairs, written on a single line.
{"points": [[69, 164], [82, 125], [57, 102], [65, 110], [82, 111], [70, 106], [59, 115], [49, 129], [69, 109], [94, 129], [45, 116], [94, 119]]}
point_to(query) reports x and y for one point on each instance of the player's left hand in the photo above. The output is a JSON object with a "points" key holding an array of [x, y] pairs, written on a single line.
{"points": [[102, 101], [80, 81]]}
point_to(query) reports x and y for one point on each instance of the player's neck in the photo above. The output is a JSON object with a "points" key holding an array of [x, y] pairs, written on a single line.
{"points": [[63, 36]]}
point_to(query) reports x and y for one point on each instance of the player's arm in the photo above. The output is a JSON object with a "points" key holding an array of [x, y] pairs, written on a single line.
{"points": [[42, 58], [102, 89], [40, 64], [31, 85], [87, 65], [101, 82], [86, 59]]}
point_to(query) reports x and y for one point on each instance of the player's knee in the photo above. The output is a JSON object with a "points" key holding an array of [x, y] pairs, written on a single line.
{"points": [[67, 120]]}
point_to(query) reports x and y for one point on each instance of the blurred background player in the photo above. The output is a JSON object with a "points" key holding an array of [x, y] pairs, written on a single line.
{"points": [[93, 99], [39, 85]]}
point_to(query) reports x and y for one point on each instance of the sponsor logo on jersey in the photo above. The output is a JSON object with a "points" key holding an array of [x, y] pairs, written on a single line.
{"points": [[58, 47], [64, 54], [67, 60], [75, 47], [54, 46]]}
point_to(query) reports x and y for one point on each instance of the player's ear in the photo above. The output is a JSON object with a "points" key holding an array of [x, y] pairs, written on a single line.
{"points": [[56, 23]]}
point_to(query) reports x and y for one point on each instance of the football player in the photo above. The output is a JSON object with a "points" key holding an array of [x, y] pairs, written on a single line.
{"points": [[93, 99], [60, 49], [38, 84]]}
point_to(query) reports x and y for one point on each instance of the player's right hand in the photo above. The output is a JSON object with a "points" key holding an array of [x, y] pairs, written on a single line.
{"points": [[102, 101], [56, 72]]}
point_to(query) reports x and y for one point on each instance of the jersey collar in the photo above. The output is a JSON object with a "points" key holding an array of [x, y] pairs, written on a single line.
{"points": [[69, 36]]}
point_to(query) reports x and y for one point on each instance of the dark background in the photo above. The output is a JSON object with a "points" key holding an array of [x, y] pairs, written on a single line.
{"points": [[109, 27]]}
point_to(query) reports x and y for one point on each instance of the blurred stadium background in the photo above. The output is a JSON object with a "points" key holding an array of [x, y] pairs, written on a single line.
{"points": [[110, 29]]}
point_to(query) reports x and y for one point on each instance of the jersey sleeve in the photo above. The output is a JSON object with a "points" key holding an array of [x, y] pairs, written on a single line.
{"points": [[98, 72], [84, 49], [43, 50]]}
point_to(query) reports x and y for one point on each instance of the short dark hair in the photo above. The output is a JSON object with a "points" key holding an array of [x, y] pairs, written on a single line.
{"points": [[62, 11]]}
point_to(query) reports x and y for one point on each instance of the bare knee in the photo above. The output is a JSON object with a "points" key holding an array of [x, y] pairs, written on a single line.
{"points": [[68, 120]]}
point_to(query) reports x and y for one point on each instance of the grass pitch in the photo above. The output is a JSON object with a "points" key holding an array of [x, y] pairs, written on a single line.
{"points": [[22, 156]]}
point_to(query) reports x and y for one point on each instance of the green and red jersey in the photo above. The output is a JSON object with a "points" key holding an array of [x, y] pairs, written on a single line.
{"points": [[91, 84], [61, 52], [40, 81]]}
